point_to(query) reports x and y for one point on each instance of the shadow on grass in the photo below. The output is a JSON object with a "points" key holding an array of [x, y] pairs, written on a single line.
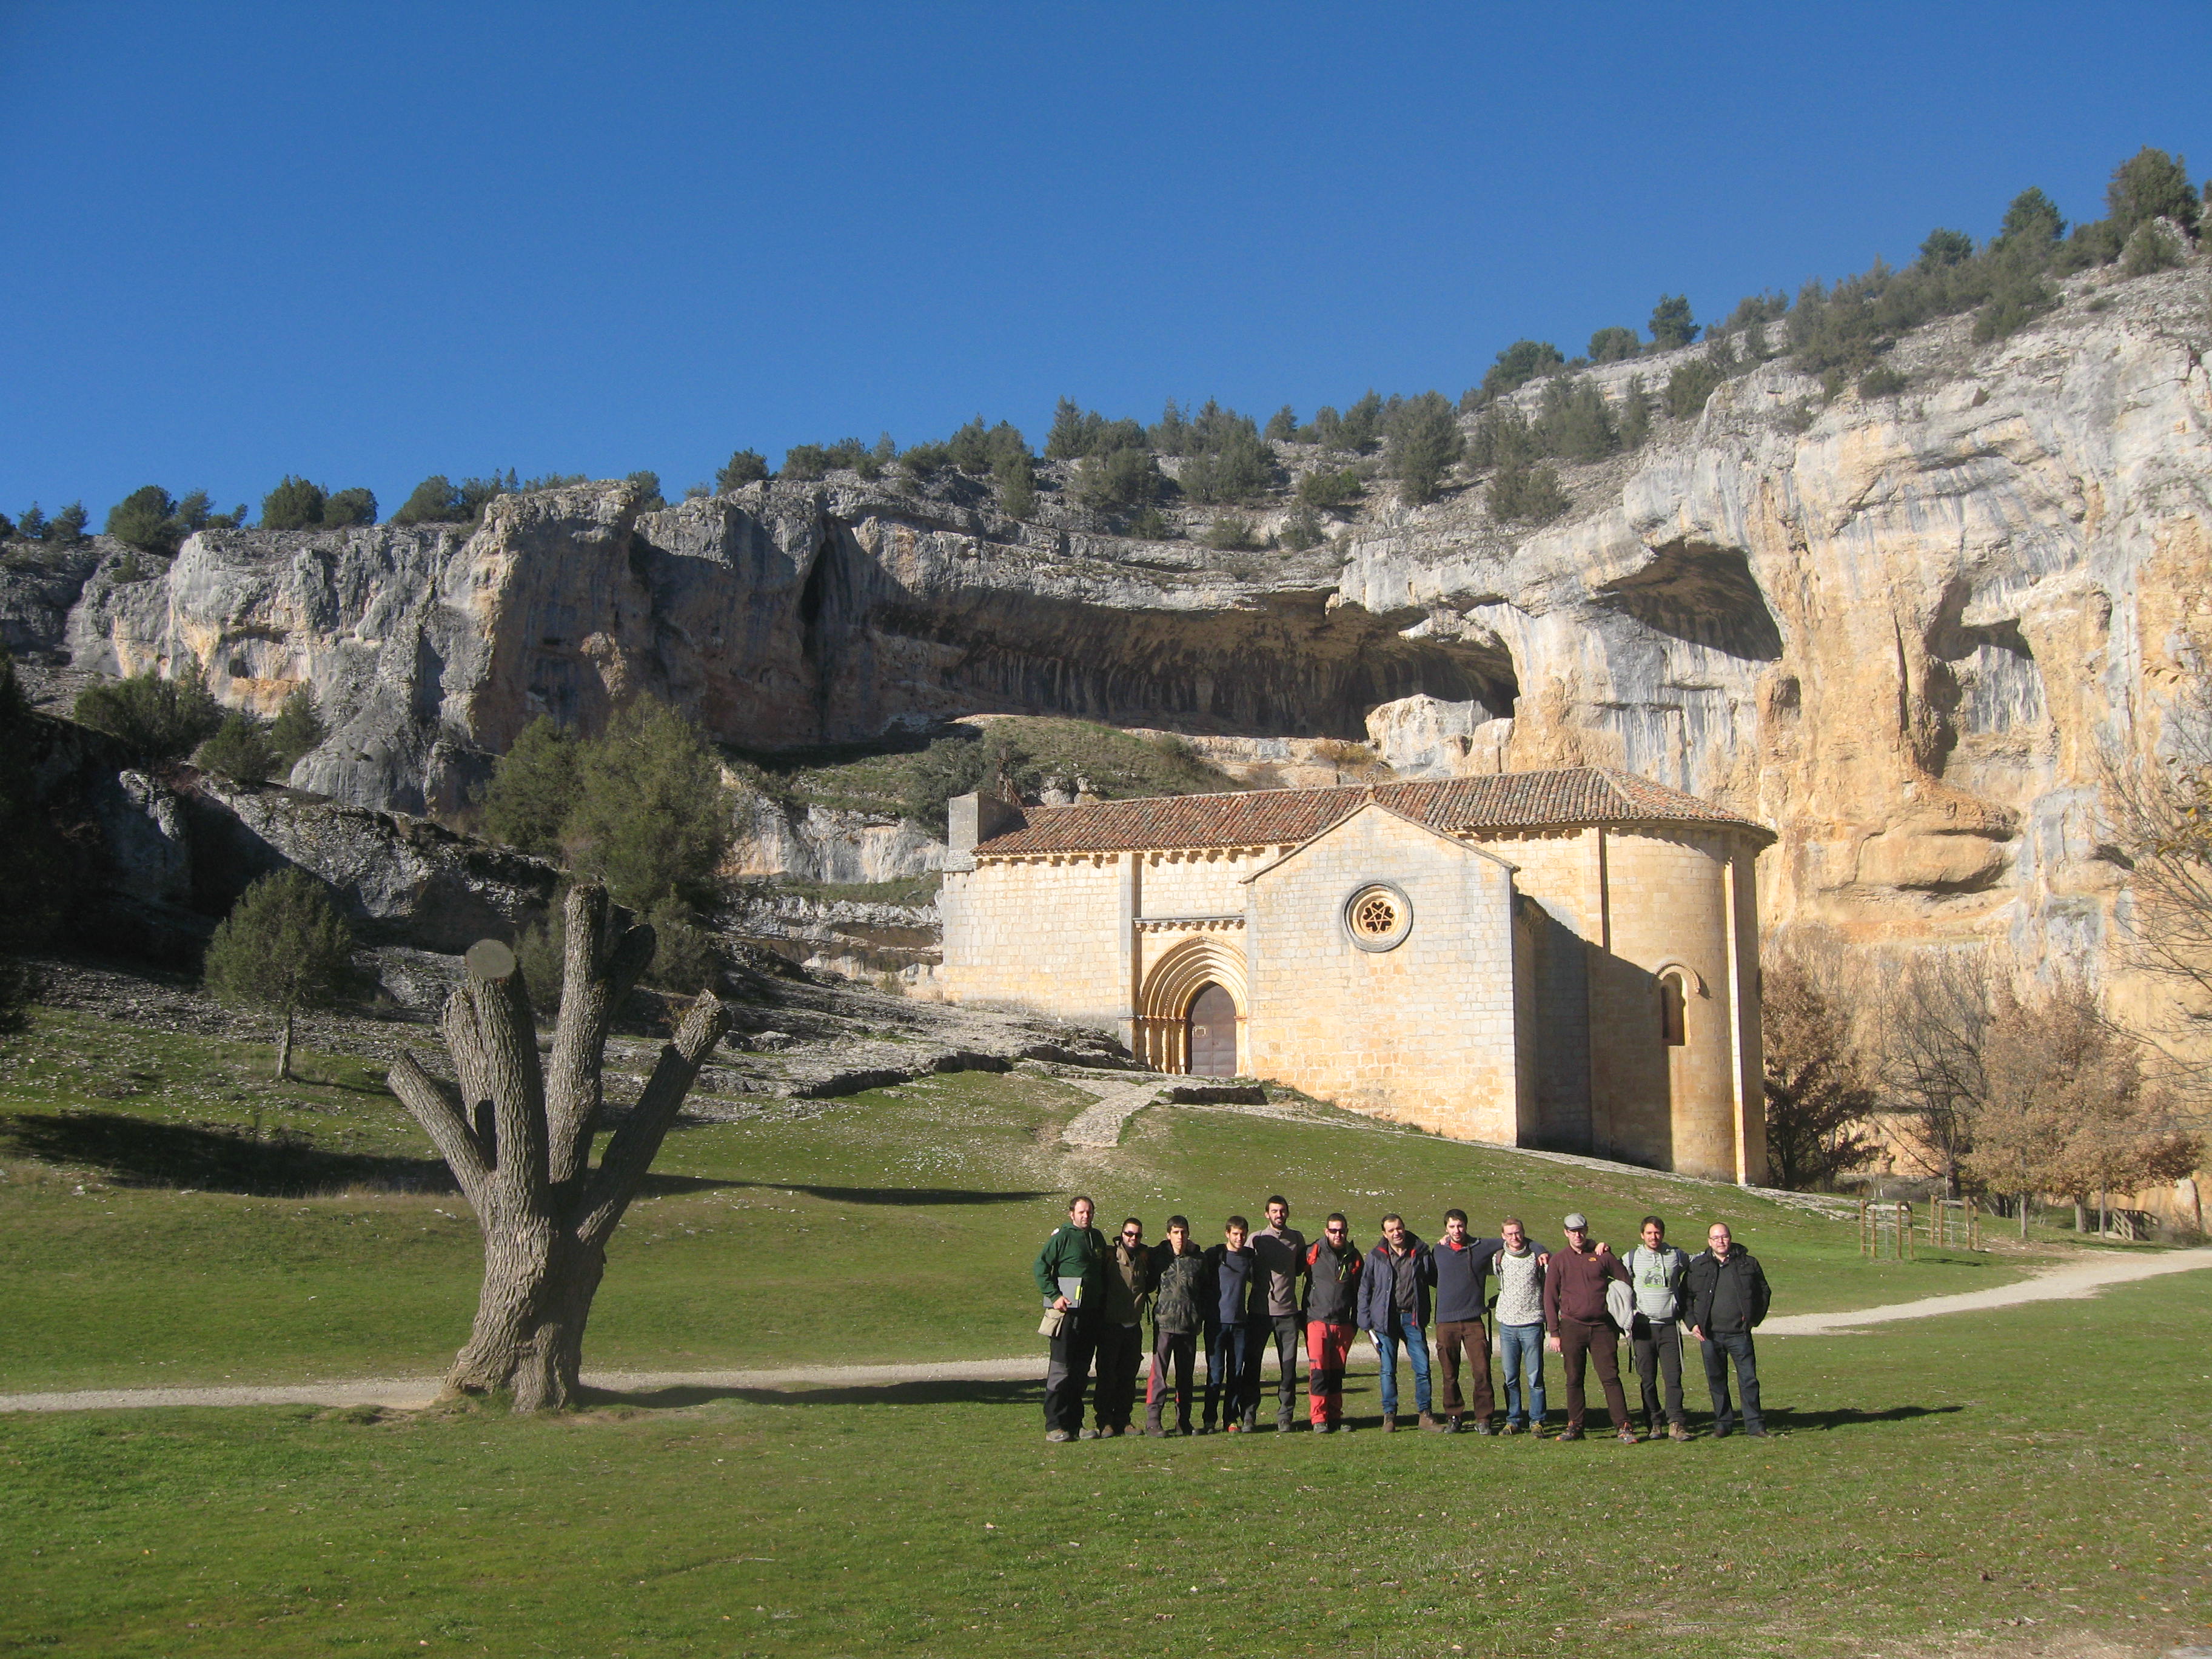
{"points": [[881, 1393], [897, 1195], [137, 1151]]}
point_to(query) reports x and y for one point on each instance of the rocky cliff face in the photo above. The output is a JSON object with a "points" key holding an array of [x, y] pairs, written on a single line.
{"points": [[1906, 631]]}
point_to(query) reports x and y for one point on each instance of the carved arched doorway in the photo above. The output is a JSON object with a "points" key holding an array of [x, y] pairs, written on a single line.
{"points": [[1168, 1005], [1213, 1033]]}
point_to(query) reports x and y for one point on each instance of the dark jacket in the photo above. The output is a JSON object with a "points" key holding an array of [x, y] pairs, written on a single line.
{"points": [[1181, 1286], [1574, 1286], [1229, 1276], [1128, 1281], [1726, 1296], [1333, 1298], [1074, 1252], [1461, 1276], [1380, 1289]]}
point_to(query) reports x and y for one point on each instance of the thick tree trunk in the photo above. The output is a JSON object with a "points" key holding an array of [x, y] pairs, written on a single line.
{"points": [[2023, 1218], [284, 1050], [518, 1137]]}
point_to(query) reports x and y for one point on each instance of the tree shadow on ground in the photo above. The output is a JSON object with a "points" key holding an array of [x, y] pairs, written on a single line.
{"points": [[137, 1151], [897, 1195], [946, 1392]]}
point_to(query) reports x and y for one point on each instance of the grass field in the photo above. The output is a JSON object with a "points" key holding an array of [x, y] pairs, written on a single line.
{"points": [[1988, 1483], [896, 1224]]}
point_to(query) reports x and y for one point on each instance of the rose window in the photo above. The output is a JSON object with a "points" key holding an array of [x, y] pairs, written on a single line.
{"points": [[1378, 916]]}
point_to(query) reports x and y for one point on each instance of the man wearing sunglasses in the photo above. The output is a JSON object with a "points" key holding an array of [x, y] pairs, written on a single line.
{"points": [[1332, 1302], [1121, 1336]]}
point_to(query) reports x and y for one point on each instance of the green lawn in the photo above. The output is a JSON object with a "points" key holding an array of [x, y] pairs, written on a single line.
{"points": [[1987, 1484], [896, 1224]]}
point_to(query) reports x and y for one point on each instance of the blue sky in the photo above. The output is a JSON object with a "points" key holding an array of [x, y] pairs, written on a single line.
{"points": [[370, 242]]}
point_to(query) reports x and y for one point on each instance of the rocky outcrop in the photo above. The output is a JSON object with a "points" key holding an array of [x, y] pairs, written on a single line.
{"points": [[826, 844], [1907, 631]]}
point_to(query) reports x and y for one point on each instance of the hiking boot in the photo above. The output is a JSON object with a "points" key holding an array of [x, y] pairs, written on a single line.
{"points": [[1720, 1430], [1390, 1422], [1282, 1422], [1756, 1434], [1630, 1438], [1235, 1428], [1568, 1434], [1057, 1437], [1676, 1431], [1483, 1425], [1433, 1425], [1154, 1432], [1324, 1428], [1509, 1426], [1092, 1434]]}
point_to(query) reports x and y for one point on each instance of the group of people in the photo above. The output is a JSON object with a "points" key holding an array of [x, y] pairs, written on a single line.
{"points": [[1253, 1289]]}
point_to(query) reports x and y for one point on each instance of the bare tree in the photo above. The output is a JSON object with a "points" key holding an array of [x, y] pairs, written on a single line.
{"points": [[1818, 1103], [517, 1135], [2066, 1110], [2159, 822], [1928, 1030]]}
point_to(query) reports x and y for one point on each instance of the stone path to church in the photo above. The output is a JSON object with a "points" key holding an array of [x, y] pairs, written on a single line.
{"points": [[2076, 1279], [1115, 1102]]}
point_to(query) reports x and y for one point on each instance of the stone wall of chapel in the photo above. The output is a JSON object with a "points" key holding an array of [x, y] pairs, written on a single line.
{"points": [[1557, 874], [1423, 1033], [1210, 883], [1046, 934], [1670, 1107]]}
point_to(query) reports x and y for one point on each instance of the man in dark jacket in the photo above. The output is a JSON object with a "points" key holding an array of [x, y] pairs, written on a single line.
{"points": [[1579, 1326], [1233, 1336], [1278, 1261], [1729, 1297], [1393, 1309], [1459, 1267], [1331, 1306], [1181, 1288], [1122, 1333], [1072, 1259]]}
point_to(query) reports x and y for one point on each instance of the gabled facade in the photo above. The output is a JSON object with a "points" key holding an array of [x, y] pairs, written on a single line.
{"points": [[1560, 959]]}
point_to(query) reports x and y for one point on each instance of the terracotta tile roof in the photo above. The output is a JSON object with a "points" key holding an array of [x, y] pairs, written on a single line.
{"points": [[1283, 818]]}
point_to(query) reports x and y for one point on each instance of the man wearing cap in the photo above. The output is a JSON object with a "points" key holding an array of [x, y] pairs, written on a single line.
{"points": [[1581, 1327], [1728, 1296]]}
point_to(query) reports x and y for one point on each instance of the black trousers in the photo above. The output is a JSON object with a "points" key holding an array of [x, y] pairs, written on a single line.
{"points": [[1658, 1350], [1721, 1346], [1289, 1331], [1120, 1348], [1068, 1374], [1173, 1352]]}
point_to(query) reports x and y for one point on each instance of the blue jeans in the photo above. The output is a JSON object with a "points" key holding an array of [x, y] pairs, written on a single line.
{"points": [[1521, 1347], [1233, 1374], [1721, 1347], [1402, 1330]]}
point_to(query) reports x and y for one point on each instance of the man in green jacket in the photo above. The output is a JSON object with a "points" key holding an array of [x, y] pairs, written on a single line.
{"points": [[1071, 1276]]}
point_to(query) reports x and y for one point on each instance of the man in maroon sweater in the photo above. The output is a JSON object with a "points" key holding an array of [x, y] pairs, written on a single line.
{"points": [[1579, 1326]]}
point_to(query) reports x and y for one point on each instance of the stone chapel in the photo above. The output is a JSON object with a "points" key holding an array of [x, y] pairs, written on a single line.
{"points": [[1564, 959]]}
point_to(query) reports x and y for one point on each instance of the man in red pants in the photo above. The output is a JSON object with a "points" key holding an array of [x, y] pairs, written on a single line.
{"points": [[1332, 1300], [1580, 1328]]}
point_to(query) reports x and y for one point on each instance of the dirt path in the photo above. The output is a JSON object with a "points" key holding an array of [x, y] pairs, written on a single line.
{"points": [[2076, 1280], [2071, 1283]]}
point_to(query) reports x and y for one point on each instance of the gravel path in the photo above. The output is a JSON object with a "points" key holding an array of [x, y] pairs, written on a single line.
{"points": [[2080, 1280], [2071, 1283]]}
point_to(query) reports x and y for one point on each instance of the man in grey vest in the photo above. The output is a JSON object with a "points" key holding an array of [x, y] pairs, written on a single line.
{"points": [[1656, 1271]]}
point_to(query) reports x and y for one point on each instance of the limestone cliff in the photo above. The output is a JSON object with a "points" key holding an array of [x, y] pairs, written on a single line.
{"points": [[1906, 631]]}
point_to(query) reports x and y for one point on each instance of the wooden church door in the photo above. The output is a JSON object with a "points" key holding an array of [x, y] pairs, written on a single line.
{"points": [[1212, 1034]]}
